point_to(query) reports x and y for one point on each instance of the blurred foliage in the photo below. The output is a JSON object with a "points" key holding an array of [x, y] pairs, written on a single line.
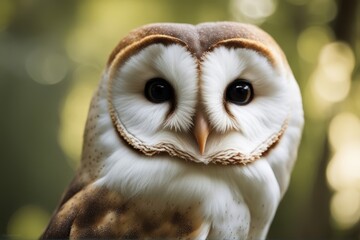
{"points": [[52, 54]]}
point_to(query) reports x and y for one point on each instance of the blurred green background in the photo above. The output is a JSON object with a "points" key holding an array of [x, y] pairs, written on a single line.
{"points": [[51, 57]]}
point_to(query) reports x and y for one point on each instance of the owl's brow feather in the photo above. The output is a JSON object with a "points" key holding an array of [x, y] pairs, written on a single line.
{"points": [[247, 44]]}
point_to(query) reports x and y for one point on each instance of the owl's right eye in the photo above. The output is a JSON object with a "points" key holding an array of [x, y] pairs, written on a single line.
{"points": [[158, 90], [239, 92]]}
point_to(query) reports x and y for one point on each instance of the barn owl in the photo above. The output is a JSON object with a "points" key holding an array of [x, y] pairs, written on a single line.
{"points": [[192, 133]]}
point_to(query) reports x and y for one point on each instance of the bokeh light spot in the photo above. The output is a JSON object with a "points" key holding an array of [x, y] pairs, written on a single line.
{"points": [[343, 169], [337, 58], [330, 88], [252, 11], [28, 222], [331, 80], [345, 208], [46, 67], [322, 11], [344, 129], [310, 42]]}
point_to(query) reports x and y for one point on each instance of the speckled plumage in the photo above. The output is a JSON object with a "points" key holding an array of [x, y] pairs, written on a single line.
{"points": [[101, 213]]}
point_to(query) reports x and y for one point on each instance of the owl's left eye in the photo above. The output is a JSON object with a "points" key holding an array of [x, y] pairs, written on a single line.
{"points": [[158, 90], [239, 92]]}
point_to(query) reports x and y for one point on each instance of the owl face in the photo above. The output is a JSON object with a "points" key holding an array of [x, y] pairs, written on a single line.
{"points": [[204, 98]]}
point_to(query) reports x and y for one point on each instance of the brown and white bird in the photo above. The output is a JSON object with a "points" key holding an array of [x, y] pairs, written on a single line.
{"points": [[192, 133]]}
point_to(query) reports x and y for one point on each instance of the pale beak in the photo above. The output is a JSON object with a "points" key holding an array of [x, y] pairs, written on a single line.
{"points": [[201, 131]]}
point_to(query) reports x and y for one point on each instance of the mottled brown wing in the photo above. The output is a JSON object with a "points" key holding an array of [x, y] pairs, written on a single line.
{"points": [[100, 213]]}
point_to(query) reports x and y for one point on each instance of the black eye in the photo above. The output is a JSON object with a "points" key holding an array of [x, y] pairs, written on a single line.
{"points": [[239, 92], [158, 90]]}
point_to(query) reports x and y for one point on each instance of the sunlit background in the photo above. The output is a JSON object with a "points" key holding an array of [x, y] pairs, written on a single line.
{"points": [[52, 54]]}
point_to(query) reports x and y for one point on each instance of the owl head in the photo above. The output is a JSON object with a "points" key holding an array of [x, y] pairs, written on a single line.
{"points": [[214, 94]]}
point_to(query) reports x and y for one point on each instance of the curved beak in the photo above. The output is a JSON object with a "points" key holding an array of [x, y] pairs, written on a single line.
{"points": [[201, 131]]}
